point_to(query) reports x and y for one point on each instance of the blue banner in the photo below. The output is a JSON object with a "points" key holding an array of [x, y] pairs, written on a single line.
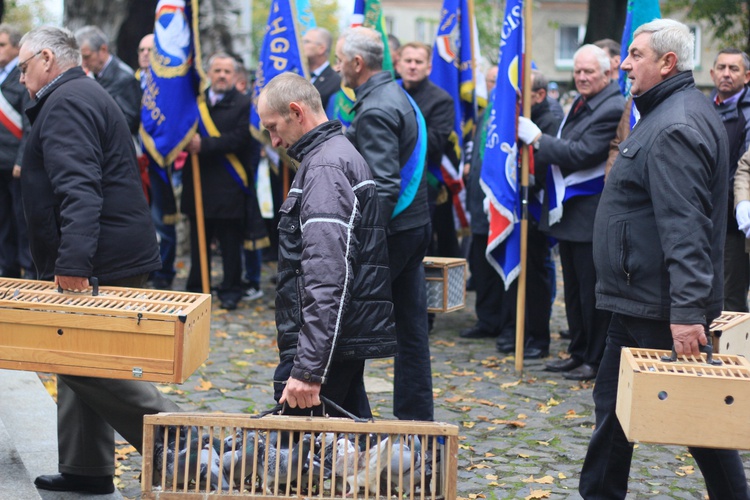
{"points": [[499, 177], [169, 112], [280, 52], [305, 16], [453, 70], [639, 12]]}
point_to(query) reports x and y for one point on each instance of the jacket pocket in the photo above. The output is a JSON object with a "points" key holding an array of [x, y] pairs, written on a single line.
{"points": [[624, 249]]}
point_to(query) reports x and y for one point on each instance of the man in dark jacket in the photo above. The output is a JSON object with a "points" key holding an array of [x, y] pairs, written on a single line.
{"points": [[317, 43], [577, 155], [386, 130], [87, 217], [15, 257], [731, 73], [658, 234], [225, 153], [332, 310], [114, 75], [436, 105]]}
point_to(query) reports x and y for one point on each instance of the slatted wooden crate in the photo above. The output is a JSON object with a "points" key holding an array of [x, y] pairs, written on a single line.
{"points": [[731, 333], [123, 333], [340, 458], [671, 402], [446, 283]]}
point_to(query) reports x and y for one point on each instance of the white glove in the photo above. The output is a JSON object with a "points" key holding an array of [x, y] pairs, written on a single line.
{"points": [[742, 212], [486, 205], [527, 130]]}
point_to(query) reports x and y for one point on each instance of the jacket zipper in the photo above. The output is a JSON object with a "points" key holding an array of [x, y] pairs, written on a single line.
{"points": [[624, 252]]}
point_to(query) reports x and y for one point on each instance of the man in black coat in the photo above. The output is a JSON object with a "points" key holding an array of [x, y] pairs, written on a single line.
{"points": [[114, 75], [316, 44], [87, 217], [386, 132], [415, 65], [332, 310], [15, 257], [579, 152], [658, 248], [225, 154]]}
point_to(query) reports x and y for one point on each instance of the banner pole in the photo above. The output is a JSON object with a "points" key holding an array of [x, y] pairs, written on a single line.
{"points": [[524, 192], [200, 224]]}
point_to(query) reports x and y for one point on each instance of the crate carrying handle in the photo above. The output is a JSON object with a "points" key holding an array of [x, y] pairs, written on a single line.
{"points": [[708, 349], [93, 281], [279, 409]]}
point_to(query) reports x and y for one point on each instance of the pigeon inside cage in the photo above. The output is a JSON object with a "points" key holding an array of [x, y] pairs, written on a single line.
{"points": [[240, 460]]}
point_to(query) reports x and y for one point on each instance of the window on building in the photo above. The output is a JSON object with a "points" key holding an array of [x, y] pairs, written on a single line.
{"points": [[426, 29], [390, 24], [568, 39], [696, 31]]}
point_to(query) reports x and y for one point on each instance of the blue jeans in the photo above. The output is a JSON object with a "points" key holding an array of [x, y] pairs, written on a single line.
{"points": [[412, 385], [166, 231], [607, 465], [253, 263]]}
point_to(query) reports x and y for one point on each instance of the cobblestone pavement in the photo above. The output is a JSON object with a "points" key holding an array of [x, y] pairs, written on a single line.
{"points": [[521, 435]]}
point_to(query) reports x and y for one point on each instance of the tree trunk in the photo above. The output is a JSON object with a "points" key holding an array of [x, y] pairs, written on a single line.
{"points": [[606, 20]]}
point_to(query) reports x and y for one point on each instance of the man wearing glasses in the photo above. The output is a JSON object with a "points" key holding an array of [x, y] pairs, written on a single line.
{"points": [[87, 217]]}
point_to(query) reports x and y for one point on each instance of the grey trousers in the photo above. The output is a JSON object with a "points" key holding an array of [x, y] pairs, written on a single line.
{"points": [[87, 411]]}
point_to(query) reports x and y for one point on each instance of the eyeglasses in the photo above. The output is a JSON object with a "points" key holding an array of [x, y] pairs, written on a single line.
{"points": [[24, 65]]}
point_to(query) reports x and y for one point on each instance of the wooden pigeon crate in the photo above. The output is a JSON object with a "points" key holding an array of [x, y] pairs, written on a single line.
{"points": [[446, 283], [666, 402], [384, 468], [731, 333], [122, 333]]}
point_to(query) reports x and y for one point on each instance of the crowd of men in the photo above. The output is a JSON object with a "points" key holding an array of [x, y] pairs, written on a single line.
{"points": [[650, 255]]}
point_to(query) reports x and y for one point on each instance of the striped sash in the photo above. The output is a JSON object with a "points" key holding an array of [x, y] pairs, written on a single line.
{"points": [[230, 160]]}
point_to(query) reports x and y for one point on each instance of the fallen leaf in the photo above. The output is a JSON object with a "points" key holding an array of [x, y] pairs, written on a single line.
{"points": [[468, 425], [164, 389], [538, 494], [522, 416], [514, 423], [221, 335], [543, 443], [483, 418], [204, 385], [445, 343], [546, 480], [240, 362], [491, 477], [489, 454], [560, 475], [553, 402], [509, 384], [248, 351], [523, 455], [454, 399]]}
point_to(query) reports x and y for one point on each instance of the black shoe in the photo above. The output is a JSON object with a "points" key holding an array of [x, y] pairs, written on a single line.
{"points": [[563, 365], [475, 332], [98, 485], [229, 305], [583, 372], [565, 334], [535, 353]]}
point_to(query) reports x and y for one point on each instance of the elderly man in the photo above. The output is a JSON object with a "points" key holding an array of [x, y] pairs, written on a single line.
{"points": [[658, 233], [316, 44], [114, 75], [731, 73], [332, 311], [87, 217], [577, 154], [15, 257], [388, 130], [224, 194]]}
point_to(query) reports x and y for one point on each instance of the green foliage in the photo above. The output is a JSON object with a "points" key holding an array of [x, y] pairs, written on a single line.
{"points": [[326, 16], [729, 19], [26, 14], [489, 14]]}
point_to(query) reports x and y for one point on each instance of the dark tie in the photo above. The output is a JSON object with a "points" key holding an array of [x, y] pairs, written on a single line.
{"points": [[578, 107]]}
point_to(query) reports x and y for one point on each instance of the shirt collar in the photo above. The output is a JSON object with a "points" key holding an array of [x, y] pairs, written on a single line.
{"points": [[317, 71], [731, 100]]}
